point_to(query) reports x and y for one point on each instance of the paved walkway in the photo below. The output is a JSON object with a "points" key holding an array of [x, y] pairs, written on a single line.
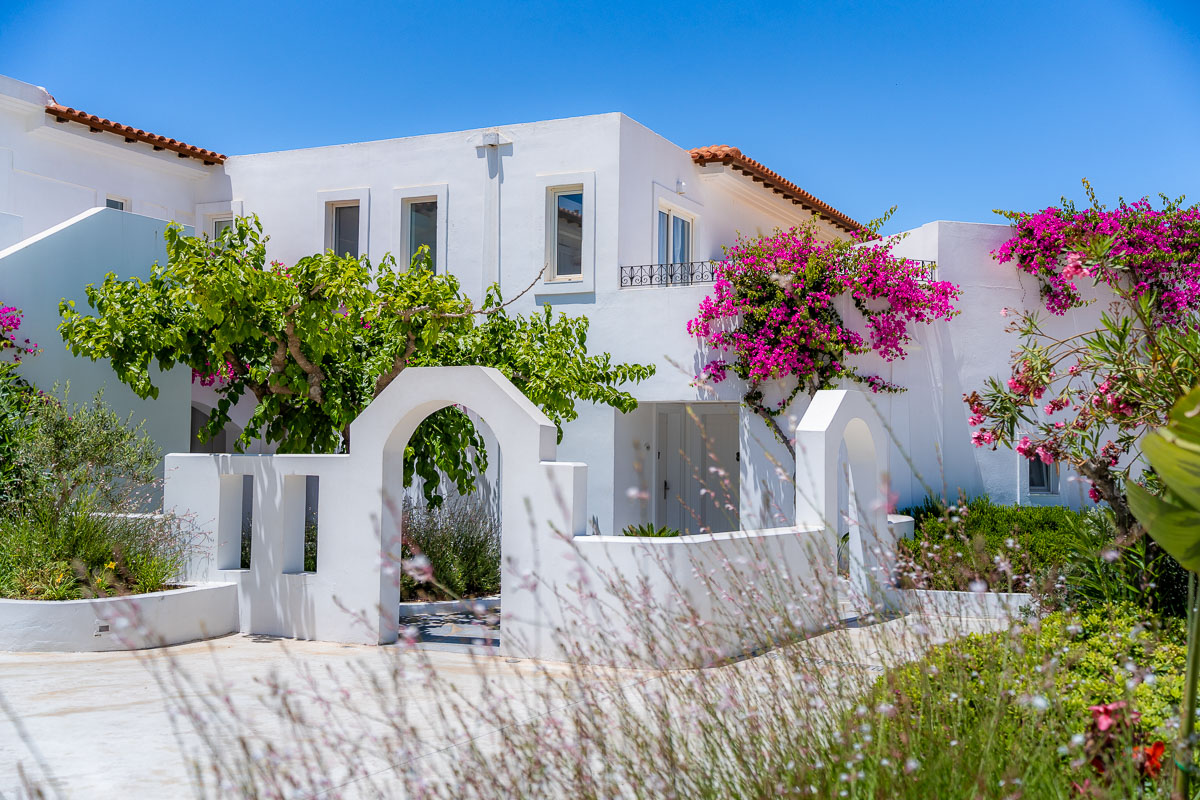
{"points": [[100, 726]]}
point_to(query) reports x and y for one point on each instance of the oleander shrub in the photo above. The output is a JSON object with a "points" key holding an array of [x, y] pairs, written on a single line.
{"points": [[455, 548]]}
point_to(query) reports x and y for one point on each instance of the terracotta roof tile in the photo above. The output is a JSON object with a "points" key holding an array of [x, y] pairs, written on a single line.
{"points": [[63, 113], [733, 157]]}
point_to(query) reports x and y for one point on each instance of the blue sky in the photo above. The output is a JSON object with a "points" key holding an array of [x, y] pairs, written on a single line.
{"points": [[947, 110]]}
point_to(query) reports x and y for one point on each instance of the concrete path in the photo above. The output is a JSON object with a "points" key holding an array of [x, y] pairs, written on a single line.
{"points": [[100, 726]]}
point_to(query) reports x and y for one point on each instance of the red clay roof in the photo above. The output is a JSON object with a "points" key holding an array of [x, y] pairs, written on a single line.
{"points": [[733, 157], [96, 124]]}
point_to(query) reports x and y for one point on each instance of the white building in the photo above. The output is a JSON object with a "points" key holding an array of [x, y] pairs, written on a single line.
{"points": [[623, 222]]}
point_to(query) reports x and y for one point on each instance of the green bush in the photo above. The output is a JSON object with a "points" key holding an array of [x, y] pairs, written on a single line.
{"points": [[52, 554], [1004, 714], [1046, 533], [461, 539], [65, 530]]}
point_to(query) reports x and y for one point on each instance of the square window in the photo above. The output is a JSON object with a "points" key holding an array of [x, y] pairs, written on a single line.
{"points": [[567, 252], [115, 202], [422, 229], [220, 224], [344, 233]]}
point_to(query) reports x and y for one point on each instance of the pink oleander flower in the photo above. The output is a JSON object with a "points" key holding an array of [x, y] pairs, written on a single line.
{"points": [[983, 438]]}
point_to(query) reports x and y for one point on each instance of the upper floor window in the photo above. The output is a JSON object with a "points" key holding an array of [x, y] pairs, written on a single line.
{"points": [[566, 261], [116, 202], [1043, 478], [674, 238], [343, 228], [422, 228]]}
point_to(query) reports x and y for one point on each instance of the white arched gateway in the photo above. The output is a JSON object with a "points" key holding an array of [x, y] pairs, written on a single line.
{"points": [[353, 596]]}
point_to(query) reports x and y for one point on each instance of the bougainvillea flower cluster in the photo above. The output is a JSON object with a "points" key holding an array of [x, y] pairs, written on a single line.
{"points": [[774, 310], [1150, 251], [10, 339]]}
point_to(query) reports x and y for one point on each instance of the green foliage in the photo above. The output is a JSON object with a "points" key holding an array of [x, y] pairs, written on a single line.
{"points": [[994, 715], [1012, 548], [315, 342], [649, 529], [16, 471], [85, 449], [51, 553], [461, 539]]}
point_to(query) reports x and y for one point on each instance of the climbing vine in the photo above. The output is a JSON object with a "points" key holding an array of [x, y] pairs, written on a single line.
{"points": [[775, 312]]}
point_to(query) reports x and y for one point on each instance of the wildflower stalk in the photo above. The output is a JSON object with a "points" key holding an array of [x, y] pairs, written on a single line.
{"points": [[1187, 712]]}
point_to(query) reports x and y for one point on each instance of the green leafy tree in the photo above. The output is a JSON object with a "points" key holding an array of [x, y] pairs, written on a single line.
{"points": [[317, 341]]}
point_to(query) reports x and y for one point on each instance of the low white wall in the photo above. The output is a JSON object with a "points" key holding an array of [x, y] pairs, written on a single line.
{"points": [[132, 622], [973, 605], [745, 586]]}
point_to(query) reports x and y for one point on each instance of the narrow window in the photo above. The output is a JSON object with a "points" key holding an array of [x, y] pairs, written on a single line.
{"points": [[422, 229], [221, 224], [247, 520], [568, 234], [115, 202], [345, 230]]}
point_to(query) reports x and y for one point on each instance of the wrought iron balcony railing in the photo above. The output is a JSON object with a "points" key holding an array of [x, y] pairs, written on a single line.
{"points": [[682, 274], [691, 272]]}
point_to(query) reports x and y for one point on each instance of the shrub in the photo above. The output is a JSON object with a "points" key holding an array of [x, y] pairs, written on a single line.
{"points": [[1011, 708], [63, 530], [52, 554], [461, 541], [650, 529], [1011, 548]]}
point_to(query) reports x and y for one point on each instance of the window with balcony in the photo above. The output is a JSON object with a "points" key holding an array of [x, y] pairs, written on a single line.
{"points": [[674, 238]]}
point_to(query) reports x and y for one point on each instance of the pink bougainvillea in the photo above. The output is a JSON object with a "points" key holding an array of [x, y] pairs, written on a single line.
{"points": [[10, 338], [1143, 246], [774, 310]]}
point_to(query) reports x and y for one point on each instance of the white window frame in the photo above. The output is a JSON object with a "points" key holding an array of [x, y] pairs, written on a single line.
{"points": [[551, 185], [327, 200], [1053, 472], [211, 223], [552, 233], [402, 198], [208, 213]]}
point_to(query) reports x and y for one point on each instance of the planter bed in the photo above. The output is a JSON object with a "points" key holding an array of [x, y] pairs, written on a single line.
{"points": [[131, 622]]}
